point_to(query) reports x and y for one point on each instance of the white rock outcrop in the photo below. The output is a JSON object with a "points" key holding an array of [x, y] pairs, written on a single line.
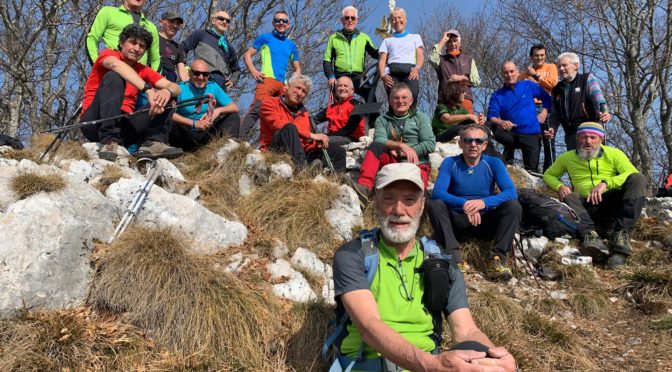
{"points": [[345, 213], [295, 288], [209, 231], [307, 260]]}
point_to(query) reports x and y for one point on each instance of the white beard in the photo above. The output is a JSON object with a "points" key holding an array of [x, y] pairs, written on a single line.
{"points": [[587, 154], [395, 235]]}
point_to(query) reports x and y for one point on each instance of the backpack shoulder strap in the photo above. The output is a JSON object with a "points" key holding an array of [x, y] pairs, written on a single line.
{"points": [[369, 239]]}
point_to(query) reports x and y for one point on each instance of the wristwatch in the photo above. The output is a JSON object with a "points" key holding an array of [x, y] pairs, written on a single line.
{"points": [[146, 87]]}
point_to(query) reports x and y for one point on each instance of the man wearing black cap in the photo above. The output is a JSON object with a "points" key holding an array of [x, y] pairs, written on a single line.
{"points": [[172, 57]]}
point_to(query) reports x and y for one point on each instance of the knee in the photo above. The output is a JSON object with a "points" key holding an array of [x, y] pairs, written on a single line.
{"points": [[112, 78], [512, 208], [435, 205], [377, 148], [289, 128], [638, 180], [573, 197]]}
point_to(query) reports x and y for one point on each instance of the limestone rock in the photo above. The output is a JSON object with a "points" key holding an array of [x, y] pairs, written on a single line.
{"points": [[170, 177], [46, 246], [296, 288], [281, 170], [280, 249], [245, 185], [7, 173], [527, 180], [435, 159], [225, 150], [345, 213], [533, 247], [210, 232], [447, 149]]}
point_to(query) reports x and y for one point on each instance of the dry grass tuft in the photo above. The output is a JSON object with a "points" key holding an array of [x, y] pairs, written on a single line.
{"points": [[651, 229], [183, 303], [19, 155], [293, 210], [539, 325], [72, 150], [664, 324], [76, 340], [590, 305], [111, 174], [646, 283], [218, 182], [476, 253], [308, 325], [25, 184], [648, 256], [549, 305]]}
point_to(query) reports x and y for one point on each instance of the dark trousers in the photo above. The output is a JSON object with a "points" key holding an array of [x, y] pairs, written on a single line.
{"points": [[130, 130], [287, 139], [528, 143], [187, 139], [549, 143], [336, 140], [498, 224], [454, 131], [619, 207], [413, 84], [570, 136]]}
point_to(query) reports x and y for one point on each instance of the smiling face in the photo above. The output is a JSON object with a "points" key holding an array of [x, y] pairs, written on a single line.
{"points": [[134, 5], [454, 43], [510, 73], [567, 70], [398, 21], [170, 27], [220, 21], [200, 72], [538, 58], [344, 88], [132, 50], [399, 207], [401, 101], [296, 92], [281, 22], [349, 20], [471, 149]]}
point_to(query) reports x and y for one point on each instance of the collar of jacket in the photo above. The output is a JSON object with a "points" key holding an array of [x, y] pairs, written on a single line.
{"points": [[142, 15], [341, 32], [390, 114], [300, 109]]}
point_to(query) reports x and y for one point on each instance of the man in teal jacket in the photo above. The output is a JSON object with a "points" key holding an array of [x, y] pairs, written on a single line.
{"points": [[401, 135], [605, 188], [108, 24], [346, 51]]}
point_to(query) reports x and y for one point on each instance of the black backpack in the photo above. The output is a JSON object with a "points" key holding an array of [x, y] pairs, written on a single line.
{"points": [[6, 140], [546, 216]]}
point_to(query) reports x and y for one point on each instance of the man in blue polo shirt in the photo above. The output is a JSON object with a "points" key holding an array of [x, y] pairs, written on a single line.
{"points": [[513, 115], [195, 125], [464, 203], [277, 52]]}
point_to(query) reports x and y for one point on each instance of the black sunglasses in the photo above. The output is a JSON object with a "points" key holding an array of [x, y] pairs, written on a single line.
{"points": [[280, 20], [223, 19], [349, 18], [479, 141], [200, 73]]}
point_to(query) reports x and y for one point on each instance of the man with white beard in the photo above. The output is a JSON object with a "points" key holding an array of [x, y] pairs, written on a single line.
{"points": [[606, 189], [390, 328]]}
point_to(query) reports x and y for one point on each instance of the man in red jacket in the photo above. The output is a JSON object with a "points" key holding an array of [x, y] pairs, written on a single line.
{"points": [[342, 128], [285, 126]]}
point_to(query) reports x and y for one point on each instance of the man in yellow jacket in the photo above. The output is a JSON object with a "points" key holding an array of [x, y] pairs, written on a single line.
{"points": [[605, 188]]}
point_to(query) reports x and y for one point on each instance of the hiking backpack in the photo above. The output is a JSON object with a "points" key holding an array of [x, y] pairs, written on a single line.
{"points": [[546, 216], [435, 263]]}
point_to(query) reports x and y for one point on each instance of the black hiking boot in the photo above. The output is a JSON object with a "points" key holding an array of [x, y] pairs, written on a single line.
{"points": [[594, 247]]}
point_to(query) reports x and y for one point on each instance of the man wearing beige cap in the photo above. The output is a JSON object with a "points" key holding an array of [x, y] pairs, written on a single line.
{"points": [[390, 328], [606, 189]]}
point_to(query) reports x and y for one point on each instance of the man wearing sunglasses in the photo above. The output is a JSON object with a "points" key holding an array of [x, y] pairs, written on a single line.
{"points": [[212, 46], [513, 115], [277, 51], [196, 125], [346, 51], [464, 203]]}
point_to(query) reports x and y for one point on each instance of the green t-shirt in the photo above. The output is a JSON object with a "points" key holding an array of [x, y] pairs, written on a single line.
{"points": [[438, 127]]}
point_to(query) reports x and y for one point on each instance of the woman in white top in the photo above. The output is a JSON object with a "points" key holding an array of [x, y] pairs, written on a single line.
{"points": [[401, 56]]}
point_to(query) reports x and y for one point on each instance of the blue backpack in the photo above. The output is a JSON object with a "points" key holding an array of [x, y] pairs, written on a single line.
{"points": [[369, 240]]}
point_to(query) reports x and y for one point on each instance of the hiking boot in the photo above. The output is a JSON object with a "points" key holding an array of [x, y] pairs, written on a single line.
{"points": [[497, 270], [619, 241], [155, 150], [111, 151], [316, 165], [594, 247], [616, 260], [363, 192]]}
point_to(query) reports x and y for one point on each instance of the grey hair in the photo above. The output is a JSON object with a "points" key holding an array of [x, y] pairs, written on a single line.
{"points": [[349, 7], [572, 57], [400, 10], [511, 62], [470, 127], [303, 78]]}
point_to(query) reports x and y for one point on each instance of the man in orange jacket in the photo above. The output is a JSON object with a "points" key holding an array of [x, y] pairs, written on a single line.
{"points": [[285, 126]]}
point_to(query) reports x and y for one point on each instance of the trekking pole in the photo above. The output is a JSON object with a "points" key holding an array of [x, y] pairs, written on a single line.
{"points": [[133, 209], [175, 105], [313, 128], [59, 138]]}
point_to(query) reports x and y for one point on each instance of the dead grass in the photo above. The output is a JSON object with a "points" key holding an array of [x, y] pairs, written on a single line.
{"points": [[549, 305], [38, 143], [648, 256], [111, 174], [536, 342], [590, 305], [27, 183], [308, 323], [294, 211], [578, 276], [183, 303], [663, 324], [651, 229], [649, 283], [76, 340], [19, 155]]}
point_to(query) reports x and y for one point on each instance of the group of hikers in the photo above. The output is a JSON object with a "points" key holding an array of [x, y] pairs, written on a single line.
{"points": [[387, 294]]}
